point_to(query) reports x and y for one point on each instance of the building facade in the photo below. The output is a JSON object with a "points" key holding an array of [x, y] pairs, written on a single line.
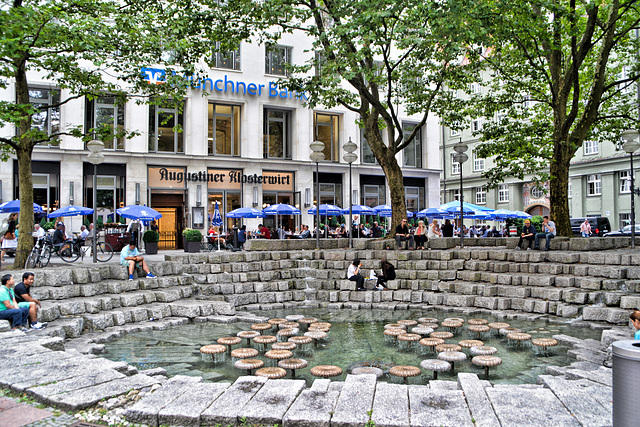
{"points": [[599, 183], [245, 143]]}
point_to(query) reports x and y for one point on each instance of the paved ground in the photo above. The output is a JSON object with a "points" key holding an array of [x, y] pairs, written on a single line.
{"points": [[15, 414]]}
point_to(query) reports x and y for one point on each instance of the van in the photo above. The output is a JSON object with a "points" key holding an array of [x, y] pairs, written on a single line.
{"points": [[599, 225]]}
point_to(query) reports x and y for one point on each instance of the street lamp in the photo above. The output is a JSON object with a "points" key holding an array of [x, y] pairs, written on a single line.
{"points": [[461, 157], [350, 157], [95, 157], [317, 156], [630, 146]]}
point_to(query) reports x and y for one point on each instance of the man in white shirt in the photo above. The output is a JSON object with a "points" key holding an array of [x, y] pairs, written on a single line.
{"points": [[548, 232], [84, 233], [38, 231], [353, 274]]}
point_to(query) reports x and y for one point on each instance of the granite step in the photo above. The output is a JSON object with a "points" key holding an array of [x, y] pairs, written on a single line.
{"points": [[588, 401]]}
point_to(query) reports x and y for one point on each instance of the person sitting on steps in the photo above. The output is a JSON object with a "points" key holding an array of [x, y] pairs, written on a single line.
{"points": [[527, 236], [353, 274], [388, 273], [130, 258]]}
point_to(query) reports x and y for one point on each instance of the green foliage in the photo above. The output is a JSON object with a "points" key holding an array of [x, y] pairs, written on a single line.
{"points": [[151, 236], [192, 235], [47, 225]]}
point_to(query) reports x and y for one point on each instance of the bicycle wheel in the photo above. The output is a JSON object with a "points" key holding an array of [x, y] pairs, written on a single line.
{"points": [[104, 252], [67, 253], [45, 256], [32, 259]]}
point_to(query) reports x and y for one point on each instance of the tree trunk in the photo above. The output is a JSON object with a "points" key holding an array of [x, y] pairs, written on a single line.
{"points": [[396, 188], [559, 189]]}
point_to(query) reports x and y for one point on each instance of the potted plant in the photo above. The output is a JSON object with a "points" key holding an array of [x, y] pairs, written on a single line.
{"points": [[151, 239], [192, 239]]}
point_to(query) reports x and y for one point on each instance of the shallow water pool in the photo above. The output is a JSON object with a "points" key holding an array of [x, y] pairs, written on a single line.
{"points": [[356, 336]]}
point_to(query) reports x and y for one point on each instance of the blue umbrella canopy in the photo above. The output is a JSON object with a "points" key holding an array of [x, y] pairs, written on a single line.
{"points": [[383, 210], [521, 214], [456, 209], [503, 214], [326, 210], [144, 213], [281, 209], [216, 221], [246, 213], [432, 213], [70, 211], [466, 205], [359, 210], [14, 206]]}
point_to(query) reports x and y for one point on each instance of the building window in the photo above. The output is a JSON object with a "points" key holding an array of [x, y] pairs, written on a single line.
{"points": [[326, 129], [569, 195], [593, 185], [537, 192], [625, 219], [331, 194], [105, 114], [454, 132], [413, 151], [224, 130], [476, 125], [413, 198], [277, 134], [373, 195], [625, 182], [455, 195], [366, 155], [503, 193], [229, 59], [478, 163], [276, 59], [590, 147], [475, 87], [47, 119], [165, 129], [455, 166], [481, 196]]}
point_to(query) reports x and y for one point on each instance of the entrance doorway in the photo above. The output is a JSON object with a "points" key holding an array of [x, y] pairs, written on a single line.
{"points": [[538, 210], [170, 226], [227, 201]]}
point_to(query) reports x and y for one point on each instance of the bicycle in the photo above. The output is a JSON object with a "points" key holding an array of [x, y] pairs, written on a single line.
{"points": [[40, 254], [70, 251]]}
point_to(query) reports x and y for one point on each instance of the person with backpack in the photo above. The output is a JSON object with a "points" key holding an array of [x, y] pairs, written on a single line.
{"points": [[388, 273]]}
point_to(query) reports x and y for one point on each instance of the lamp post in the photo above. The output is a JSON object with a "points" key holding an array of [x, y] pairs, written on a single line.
{"points": [[461, 157], [317, 156], [630, 146], [350, 157], [95, 157]]}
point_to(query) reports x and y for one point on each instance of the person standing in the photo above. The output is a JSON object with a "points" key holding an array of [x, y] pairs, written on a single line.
{"points": [[447, 228], [402, 235], [528, 234], [585, 228], [548, 233], [9, 308], [353, 274]]}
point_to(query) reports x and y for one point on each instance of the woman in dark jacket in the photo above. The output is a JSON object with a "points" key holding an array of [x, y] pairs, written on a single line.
{"points": [[388, 273], [447, 229]]}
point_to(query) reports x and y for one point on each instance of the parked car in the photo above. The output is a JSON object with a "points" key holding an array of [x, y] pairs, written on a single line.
{"points": [[624, 231], [599, 225]]}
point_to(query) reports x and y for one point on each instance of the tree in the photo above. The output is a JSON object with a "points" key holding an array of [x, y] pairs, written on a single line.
{"points": [[85, 48], [373, 57], [556, 74]]}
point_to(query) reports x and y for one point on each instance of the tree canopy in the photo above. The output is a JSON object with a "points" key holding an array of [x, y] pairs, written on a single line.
{"points": [[556, 74]]}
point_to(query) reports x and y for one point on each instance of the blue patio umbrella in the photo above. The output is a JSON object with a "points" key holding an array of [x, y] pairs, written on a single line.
{"points": [[432, 213], [466, 205], [70, 211], [143, 213], [383, 210], [14, 206], [501, 214], [359, 210], [281, 209], [521, 214], [246, 213], [216, 221], [455, 209], [326, 210]]}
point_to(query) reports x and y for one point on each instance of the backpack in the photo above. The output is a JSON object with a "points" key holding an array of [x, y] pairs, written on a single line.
{"points": [[391, 272]]}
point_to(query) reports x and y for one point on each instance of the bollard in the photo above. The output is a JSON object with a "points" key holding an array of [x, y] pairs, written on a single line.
{"points": [[626, 376], [235, 238]]}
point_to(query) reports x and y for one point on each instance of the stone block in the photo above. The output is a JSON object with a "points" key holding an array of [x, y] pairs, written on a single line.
{"points": [[185, 410], [630, 302], [459, 300], [477, 400], [588, 283], [486, 302], [183, 309], [225, 409], [606, 314], [438, 407], [515, 405], [355, 401], [271, 402], [391, 405]]}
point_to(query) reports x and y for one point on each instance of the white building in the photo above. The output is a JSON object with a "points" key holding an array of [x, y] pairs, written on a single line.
{"points": [[245, 143]]}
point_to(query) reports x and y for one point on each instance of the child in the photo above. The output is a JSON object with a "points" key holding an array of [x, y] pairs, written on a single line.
{"points": [[635, 321]]}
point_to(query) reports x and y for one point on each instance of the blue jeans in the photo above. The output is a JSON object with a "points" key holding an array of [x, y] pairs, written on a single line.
{"points": [[547, 236], [585, 234], [17, 316]]}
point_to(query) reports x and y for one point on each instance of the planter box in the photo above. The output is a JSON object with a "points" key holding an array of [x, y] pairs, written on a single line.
{"points": [[151, 248], [192, 247]]}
